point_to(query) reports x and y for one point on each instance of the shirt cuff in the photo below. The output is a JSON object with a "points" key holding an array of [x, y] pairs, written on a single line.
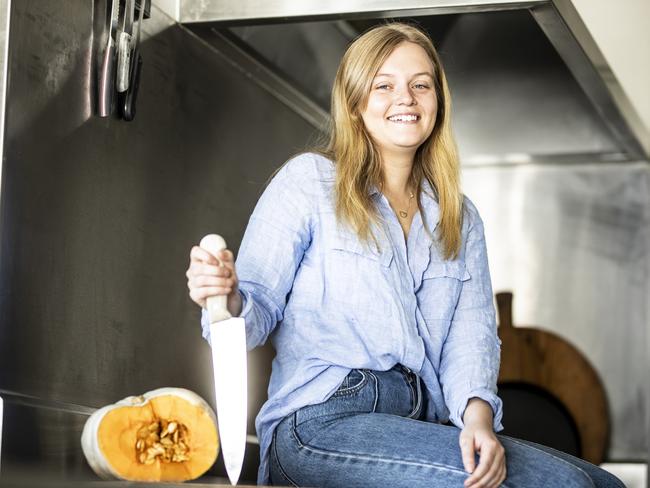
{"points": [[246, 302], [456, 416]]}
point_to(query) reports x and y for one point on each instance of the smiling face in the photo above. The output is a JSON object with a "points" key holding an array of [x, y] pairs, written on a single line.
{"points": [[401, 109]]}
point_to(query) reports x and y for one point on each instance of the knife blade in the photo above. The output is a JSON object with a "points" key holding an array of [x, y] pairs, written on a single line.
{"points": [[228, 340], [106, 83], [127, 99]]}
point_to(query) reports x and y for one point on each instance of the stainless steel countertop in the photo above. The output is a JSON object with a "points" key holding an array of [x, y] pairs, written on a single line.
{"points": [[44, 481]]}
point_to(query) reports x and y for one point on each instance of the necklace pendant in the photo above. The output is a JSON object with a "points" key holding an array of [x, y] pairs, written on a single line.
{"points": [[403, 214]]}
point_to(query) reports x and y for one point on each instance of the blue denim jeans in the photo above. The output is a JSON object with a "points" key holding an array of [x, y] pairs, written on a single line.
{"points": [[371, 433]]}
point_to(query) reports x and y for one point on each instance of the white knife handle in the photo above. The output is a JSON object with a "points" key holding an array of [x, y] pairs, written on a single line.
{"points": [[217, 305]]}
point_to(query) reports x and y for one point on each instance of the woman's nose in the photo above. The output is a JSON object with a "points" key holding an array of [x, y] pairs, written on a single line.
{"points": [[404, 96]]}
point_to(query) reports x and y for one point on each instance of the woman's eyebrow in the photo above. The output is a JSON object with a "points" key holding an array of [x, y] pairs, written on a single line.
{"points": [[422, 73]]}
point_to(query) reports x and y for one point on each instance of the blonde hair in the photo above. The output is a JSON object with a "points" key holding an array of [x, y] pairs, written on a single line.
{"points": [[358, 164], [350, 147]]}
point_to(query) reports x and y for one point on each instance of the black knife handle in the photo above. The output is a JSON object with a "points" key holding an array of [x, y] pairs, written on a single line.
{"points": [[128, 100]]}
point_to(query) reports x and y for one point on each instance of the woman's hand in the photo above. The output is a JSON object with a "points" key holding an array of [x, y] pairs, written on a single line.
{"points": [[210, 275], [478, 436]]}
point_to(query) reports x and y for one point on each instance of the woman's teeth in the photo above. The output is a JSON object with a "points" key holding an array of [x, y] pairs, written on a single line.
{"points": [[403, 118]]}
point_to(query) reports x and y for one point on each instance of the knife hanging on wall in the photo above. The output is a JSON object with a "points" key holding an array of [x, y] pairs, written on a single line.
{"points": [[106, 83], [124, 36], [121, 61], [128, 98]]}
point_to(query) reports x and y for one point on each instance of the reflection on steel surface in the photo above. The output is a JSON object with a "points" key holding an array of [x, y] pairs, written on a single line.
{"points": [[1, 418], [249, 10], [558, 20]]}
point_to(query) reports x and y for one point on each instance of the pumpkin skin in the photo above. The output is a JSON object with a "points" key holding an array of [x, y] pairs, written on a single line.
{"points": [[111, 433]]}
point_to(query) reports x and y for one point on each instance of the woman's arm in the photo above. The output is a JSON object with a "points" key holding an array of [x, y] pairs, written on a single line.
{"points": [[277, 235], [478, 437], [470, 365]]}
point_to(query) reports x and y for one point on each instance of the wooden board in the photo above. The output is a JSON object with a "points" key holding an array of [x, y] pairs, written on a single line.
{"points": [[545, 360]]}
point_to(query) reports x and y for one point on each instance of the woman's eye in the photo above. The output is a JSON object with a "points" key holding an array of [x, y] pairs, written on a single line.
{"points": [[421, 86], [382, 87]]}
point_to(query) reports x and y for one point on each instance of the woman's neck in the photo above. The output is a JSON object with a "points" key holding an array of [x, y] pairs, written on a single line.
{"points": [[397, 173]]}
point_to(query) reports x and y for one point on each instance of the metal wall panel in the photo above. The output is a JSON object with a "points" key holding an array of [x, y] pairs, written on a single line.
{"points": [[99, 215], [573, 245]]}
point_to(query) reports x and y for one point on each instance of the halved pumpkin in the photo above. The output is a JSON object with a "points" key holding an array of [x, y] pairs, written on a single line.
{"points": [[168, 434]]}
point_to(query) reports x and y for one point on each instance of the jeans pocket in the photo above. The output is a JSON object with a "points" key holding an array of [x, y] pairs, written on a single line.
{"points": [[353, 382]]}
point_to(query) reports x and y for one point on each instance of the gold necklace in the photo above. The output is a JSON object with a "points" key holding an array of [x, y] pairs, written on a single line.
{"points": [[404, 214]]}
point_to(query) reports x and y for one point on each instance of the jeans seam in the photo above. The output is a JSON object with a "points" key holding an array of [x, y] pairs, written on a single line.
{"points": [[324, 452], [277, 460], [556, 457], [374, 377], [294, 433], [353, 389]]}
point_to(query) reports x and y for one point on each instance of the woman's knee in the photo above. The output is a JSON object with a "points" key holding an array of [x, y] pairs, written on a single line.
{"points": [[529, 466]]}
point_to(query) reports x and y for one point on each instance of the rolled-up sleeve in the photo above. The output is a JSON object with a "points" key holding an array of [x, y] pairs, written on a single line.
{"points": [[278, 232], [471, 353]]}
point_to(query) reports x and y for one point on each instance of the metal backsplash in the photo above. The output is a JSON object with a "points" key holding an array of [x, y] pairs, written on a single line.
{"points": [[99, 215]]}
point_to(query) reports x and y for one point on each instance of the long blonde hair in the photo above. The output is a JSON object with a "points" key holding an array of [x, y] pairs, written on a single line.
{"points": [[350, 147]]}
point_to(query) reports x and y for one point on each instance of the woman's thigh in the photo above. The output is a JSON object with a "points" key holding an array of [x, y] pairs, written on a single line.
{"points": [[345, 442], [599, 477]]}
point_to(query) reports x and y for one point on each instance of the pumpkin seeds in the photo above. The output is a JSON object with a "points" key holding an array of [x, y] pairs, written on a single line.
{"points": [[165, 440]]}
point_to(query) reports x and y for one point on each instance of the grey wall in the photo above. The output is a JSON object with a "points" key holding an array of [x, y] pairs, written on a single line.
{"points": [[572, 243], [99, 215]]}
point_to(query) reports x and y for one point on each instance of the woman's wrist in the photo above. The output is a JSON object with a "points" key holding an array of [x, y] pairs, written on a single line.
{"points": [[235, 303], [478, 413]]}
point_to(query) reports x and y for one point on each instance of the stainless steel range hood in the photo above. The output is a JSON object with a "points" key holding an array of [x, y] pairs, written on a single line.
{"points": [[529, 82]]}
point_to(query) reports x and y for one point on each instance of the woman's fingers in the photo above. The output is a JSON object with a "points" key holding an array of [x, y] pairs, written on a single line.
{"points": [[199, 295], [203, 276], [476, 480], [466, 441], [497, 479], [209, 275], [202, 281], [201, 255], [491, 462], [492, 478], [501, 477], [199, 269]]}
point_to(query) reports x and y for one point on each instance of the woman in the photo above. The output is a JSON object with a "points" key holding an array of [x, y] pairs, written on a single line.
{"points": [[367, 269]]}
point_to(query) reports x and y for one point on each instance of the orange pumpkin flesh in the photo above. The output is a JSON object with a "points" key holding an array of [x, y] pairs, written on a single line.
{"points": [[117, 436]]}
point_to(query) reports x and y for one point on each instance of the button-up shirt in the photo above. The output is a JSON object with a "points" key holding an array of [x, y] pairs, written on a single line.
{"points": [[329, 303]]}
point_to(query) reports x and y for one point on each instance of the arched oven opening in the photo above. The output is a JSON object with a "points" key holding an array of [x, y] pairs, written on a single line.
{"points": [[535, 415], [551, 393]]}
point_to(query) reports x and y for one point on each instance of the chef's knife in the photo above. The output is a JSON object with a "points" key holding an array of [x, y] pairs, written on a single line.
{"points": [[106, 83], [127, 99], [228, 340], [124, 37]]}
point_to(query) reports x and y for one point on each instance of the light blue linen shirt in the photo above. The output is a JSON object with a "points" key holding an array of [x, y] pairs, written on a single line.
{"points": [[329, 304]]}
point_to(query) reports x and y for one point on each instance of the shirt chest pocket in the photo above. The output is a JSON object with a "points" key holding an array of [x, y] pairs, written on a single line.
{"points": [[442, 283], [358, 277]]}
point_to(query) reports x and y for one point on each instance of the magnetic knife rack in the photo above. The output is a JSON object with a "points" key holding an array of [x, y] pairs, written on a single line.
{"points": [[120, 58]]}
